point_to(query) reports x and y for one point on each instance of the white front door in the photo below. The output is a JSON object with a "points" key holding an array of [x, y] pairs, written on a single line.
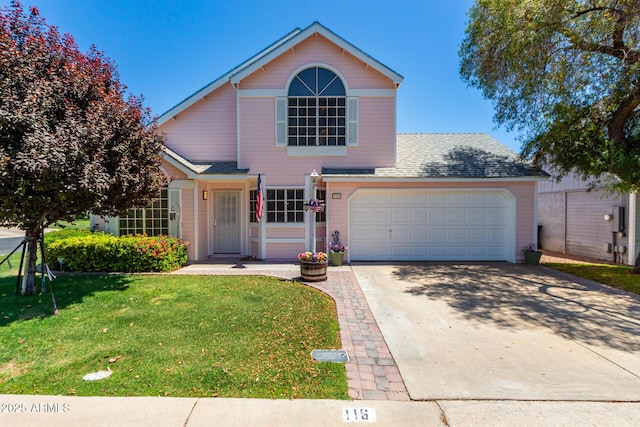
{"points": [[226, 222]]}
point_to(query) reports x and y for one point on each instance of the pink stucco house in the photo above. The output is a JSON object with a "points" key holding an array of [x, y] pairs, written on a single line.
{"points": [[314, 102]]}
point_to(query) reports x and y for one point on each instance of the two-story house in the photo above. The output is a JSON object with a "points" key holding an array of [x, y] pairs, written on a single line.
{"points": [[313, 102]]}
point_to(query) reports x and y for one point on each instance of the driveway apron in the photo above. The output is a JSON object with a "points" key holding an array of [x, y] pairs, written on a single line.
{"points": [[505, 331]]}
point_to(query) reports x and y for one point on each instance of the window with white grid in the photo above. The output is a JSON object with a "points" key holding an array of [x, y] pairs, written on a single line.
{"points": [[317, 112], [152, 221], [285, 205]]}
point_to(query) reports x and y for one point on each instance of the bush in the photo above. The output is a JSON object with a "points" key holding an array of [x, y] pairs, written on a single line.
{"points": [[65, 233], [160, 253], [102, 252]]}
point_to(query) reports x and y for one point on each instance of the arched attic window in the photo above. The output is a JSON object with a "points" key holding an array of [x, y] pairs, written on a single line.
{"points": [[317, 112]]}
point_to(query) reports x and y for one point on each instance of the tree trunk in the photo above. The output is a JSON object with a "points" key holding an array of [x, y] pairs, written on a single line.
{"points": [[29, 284], [636, 267]]}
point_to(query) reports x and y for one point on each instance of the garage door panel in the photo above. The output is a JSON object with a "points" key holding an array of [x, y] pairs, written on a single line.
{"points": [[497, 216], [497, 251], [400, 216], [437, 252], [359, 216], [417, 216], [458, 234], [496, 199], [401, 199], [379, 216], [479, 199], [437, 233], [419, 252], [400, 252], [496, 234], [457, 216], [477, 216], [428, 225], [418, 199], [399, 235], [419, 235], [365, 234], [457, 251], [437, 216], [379, 252], [478, 233], [457, 200]]}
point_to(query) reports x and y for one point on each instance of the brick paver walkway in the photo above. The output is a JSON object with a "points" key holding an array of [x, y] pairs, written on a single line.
{"points": [[371, 371]]}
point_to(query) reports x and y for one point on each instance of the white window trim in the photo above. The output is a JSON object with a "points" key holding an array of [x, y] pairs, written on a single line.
{"points": [[352, 106], [319, 65], [316, 150], [266, 206]]}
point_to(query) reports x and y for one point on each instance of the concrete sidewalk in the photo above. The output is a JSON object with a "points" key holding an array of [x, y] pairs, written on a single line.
{"points": [[58, 411]]}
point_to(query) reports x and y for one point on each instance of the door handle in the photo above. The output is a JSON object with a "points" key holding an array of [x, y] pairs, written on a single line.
{"points": [[215, 222]]}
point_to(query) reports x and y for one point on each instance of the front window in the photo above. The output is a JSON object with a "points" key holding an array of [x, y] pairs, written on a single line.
{"points": [[321, 194], [152, 221], [288, 207], [317, 113], [285, 205]]}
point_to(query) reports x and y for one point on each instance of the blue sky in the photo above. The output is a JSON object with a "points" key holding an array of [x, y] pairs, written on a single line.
{"points": [[166, 50]]}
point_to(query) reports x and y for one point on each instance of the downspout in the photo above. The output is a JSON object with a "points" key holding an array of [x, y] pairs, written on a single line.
{"points": [[262, 228], [633, 239], [564, 223], [236, 87], [535, 218], [196, 233]]}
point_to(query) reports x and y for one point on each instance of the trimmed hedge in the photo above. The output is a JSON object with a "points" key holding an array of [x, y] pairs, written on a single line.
{"points": [[64, 233], [102, 252]]}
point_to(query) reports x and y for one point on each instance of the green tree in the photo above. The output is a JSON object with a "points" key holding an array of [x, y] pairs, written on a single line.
{"points": [[69, 140], [566, 74]]}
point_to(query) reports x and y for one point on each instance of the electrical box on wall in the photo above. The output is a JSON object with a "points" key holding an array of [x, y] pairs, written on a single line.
{"points": [[621, 249], [617, 224]]}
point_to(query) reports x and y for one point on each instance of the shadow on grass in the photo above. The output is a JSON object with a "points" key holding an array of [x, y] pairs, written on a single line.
{"points": [[68, 289], [518, 296]]}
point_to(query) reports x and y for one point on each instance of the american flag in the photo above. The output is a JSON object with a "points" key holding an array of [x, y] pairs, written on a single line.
{"points": [[259, 200]]}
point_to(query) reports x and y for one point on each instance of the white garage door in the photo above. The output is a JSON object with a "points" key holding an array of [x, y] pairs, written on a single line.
{"points": [[434, 225]]}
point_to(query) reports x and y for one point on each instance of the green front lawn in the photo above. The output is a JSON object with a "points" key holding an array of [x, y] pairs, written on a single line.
{"points": [[82, 223], [163, 335], [617, 276]]}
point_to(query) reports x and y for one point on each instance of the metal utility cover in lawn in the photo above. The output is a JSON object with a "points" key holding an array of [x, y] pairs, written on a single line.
{"points": [[335, 356]]}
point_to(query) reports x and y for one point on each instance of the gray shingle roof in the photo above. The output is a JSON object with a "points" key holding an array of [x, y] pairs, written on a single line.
{"points": [[204, 168], [449, 155], [218, 168]]}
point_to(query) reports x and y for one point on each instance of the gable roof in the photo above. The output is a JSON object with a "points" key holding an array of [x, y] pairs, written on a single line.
{"points": [[446, 156], [210, 169], [273, 51]]}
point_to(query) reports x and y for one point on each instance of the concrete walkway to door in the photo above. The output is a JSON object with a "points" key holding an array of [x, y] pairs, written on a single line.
{"points": [[500, 331]]}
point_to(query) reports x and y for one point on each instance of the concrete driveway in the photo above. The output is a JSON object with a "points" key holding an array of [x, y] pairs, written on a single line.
{"points": [[504, 331]]}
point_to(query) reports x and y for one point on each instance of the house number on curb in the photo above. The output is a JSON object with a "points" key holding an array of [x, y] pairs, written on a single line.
{"points": [[358, 415]]}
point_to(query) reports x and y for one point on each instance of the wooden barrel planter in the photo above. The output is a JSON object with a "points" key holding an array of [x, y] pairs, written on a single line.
{"points": [[313, 271]]}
